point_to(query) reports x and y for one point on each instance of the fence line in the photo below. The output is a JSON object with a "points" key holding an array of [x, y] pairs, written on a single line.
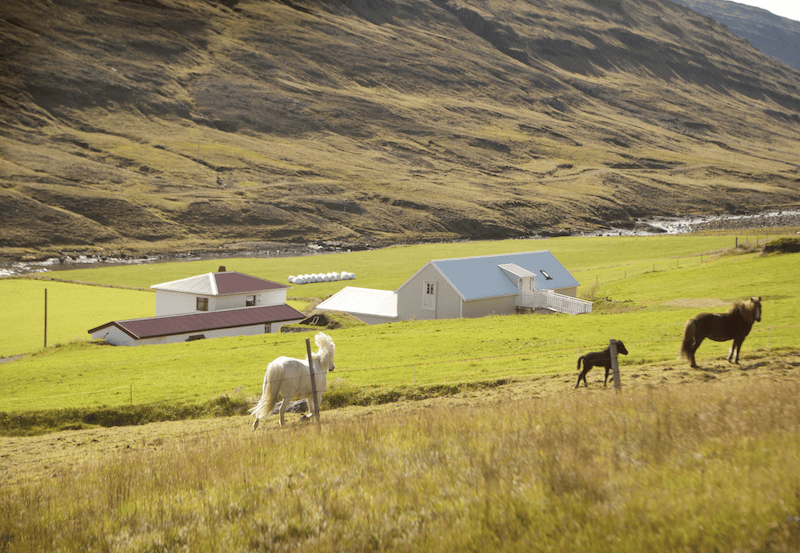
{"points": [[756, 333]]}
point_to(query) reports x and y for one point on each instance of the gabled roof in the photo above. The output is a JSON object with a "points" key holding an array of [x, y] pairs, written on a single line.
{"points": [[152, 327], [483, 277], [219, 284], [363, 301]]}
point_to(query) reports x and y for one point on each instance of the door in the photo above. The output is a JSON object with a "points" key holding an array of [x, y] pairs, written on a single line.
{"points": [[429, 295]]}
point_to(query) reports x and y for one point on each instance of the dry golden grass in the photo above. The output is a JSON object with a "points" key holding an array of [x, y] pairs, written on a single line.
{"points": [[702, 460]]}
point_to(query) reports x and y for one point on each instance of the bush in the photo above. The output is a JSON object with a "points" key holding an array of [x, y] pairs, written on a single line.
{"points": [[782, 245]]}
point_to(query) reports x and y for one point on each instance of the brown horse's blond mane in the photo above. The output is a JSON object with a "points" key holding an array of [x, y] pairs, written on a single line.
{"points": [[746, 309]]}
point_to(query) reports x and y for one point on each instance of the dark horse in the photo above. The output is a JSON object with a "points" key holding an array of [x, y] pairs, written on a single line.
{"points": [[734, 325], [598, 359]]}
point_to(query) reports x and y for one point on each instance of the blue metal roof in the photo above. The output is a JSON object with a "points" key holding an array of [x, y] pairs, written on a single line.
{"points": [[481, 277]]}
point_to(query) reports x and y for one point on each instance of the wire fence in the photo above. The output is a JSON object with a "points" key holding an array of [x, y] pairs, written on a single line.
{"points": [[539, 360]]}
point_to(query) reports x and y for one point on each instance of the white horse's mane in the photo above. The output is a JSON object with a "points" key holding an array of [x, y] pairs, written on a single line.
{"points": [[326, 349]]}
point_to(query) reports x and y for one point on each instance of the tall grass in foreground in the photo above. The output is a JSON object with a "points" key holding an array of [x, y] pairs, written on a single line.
{"points": [[700, 467]]}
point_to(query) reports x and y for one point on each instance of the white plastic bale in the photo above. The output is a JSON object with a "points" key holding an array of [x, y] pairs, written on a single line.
{"points": [[300, 280], [292, 279], [326, 278], [336, 276]]}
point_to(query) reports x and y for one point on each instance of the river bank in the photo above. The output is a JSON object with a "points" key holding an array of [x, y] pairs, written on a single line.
{"points": [[643, 227]]}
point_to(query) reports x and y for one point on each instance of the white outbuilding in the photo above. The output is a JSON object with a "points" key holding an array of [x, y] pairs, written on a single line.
{"points": [[468, 287]]}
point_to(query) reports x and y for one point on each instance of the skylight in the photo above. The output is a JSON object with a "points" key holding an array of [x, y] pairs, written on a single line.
{"points": [[546, 276]]}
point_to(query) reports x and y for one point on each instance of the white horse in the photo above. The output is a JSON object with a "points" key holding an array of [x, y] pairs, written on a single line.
{"points": [[291, 378]]}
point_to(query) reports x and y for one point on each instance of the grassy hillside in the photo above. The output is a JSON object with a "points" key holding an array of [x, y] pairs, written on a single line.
{"points": [[495, 452], [172, 125], [645, 308]]}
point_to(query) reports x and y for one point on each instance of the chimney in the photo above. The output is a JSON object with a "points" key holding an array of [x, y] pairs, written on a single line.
{"points": [[221, 269]]}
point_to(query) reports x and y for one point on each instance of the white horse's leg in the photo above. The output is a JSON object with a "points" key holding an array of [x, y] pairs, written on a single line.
{"points": [[284, 405]]}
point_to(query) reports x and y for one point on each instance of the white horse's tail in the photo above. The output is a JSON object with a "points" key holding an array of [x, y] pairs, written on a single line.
{"points": [[269, 392]]}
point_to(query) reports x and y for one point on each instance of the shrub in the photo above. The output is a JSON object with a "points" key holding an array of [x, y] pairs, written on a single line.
{"points": [[782, 245]]}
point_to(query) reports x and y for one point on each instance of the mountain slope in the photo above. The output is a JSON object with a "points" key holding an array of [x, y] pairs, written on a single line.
{"points": [[776, 36], [178, 124]]}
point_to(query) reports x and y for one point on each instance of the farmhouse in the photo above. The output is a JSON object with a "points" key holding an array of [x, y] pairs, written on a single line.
{"points": [[225, 303], [468, 287]]}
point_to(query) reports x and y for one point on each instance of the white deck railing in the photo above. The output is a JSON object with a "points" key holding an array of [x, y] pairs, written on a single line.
{"points": [[554, 301]]}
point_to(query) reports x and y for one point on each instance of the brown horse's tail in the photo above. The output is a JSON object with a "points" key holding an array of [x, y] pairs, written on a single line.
{"points": [[688, 340], [579, 362]]}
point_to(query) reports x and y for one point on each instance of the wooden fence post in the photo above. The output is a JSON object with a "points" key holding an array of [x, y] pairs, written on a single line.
{"points": [[45, 318], [314, 406], [612, 349]]}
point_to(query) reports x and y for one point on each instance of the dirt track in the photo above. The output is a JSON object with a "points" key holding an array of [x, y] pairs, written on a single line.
{"points": [[46, 456]]}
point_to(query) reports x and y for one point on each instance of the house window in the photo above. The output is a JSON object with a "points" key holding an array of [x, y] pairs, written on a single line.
{"points": [[546, 276], [202, 304], [250, 301]]}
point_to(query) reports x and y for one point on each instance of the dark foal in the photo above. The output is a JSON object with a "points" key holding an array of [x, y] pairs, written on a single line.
{"points": [[598, 359]]}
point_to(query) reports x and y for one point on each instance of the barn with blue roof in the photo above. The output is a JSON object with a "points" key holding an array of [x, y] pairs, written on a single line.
{"points": [[469, 287]]}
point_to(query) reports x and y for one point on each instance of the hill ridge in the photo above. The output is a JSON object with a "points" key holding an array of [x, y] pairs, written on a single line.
{"points": [[168, 125]]}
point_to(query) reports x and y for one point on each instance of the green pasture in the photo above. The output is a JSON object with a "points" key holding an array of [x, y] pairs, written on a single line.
{"points": [[590, 258], [71, 311], [647, 309]]}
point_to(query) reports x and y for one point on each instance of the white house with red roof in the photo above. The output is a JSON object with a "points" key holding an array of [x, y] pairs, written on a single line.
{"points": [[213, 305]]}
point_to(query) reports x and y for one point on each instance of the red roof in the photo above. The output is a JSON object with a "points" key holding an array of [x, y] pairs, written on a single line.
{"points": [[152, 327], [222, 283], [238, 283]]}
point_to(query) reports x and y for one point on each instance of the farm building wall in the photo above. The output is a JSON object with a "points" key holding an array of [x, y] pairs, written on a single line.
{"points": [[490, 306], [264, 297], [115, 336], [411, 302], [572, 291], [251, 330], [373, 319], [173, 303]]}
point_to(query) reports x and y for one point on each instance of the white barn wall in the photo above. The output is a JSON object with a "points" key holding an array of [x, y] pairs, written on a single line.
{"points": [[373, 319], [173, 303], [234, 301], [409, 297], [490, 306], [113, 335], [572, 291]]}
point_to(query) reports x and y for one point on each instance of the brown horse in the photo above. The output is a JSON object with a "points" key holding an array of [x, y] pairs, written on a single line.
{"points": [[734, 325]]}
